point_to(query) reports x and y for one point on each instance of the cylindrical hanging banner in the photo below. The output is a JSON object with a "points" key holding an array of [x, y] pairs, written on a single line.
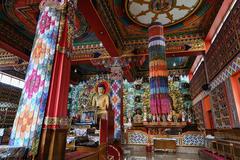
{"points": [[158, 72]]}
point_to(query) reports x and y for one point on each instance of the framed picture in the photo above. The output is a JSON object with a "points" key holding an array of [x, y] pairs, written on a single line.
{"points": [[88, 117]]}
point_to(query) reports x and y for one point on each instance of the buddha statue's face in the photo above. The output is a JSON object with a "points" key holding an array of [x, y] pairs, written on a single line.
{"points": [[101, 90]]}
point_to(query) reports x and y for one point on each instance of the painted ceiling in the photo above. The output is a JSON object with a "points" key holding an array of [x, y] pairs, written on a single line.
{"points": [[168, 12], [176, 66], [189, 18], [186, 24]]}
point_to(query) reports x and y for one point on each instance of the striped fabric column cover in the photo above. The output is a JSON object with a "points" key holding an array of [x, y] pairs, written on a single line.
{"points": [[159, 99]]}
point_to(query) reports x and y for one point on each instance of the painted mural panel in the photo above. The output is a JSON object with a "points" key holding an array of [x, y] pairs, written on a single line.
{"points": [[198, 111], [136, 97], [220, 108]]}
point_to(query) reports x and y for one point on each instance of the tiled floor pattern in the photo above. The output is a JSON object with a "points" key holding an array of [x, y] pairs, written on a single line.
{"points": [[160, 156]]}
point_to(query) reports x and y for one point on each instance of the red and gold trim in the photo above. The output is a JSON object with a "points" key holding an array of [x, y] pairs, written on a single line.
{"points": [[56, 122], [58, 4]]}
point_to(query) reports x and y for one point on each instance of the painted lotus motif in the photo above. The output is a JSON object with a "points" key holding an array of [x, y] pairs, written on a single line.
{"points": [[29, 119], [25, 119], [45, 22], [40, 50], [33, 83]]}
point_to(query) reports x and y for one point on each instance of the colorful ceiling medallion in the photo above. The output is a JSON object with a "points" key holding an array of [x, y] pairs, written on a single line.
{"points": [[168, 12]]}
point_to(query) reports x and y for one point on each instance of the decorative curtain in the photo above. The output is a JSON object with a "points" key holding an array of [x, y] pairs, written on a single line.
{"points": [[116, 98]]}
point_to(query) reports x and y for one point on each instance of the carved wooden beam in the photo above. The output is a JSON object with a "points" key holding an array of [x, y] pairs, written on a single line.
{"points": [[14, 51], [90, 13]]}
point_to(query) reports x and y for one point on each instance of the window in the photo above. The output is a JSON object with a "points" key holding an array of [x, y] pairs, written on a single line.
{"points": [[21, 84], [11, 80], [6, 79]]}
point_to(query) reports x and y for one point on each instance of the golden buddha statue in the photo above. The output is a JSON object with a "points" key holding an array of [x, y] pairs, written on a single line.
{"points": [[101, 101]]}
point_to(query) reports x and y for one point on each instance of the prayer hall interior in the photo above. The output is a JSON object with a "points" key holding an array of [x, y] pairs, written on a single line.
{"points": [[120, 79]]}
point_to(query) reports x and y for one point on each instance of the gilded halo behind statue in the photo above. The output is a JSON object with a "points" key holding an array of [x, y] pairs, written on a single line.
{"points": [[103, 84]]}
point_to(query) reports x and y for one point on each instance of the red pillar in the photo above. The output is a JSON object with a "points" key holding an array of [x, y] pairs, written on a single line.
{"points": [[53, 140], [55, 127], [58, 96]]}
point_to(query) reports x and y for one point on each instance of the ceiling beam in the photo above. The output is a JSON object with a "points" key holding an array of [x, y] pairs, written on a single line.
{"points": [[168, 54], [13, 51], [90, 13], [128, 75], [196, 63], [126, 70], [184, 53]]}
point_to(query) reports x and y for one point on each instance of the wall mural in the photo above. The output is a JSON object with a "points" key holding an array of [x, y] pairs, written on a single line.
{"points": [[198, 112], [220, 107], [81, 95], [136, 101]]}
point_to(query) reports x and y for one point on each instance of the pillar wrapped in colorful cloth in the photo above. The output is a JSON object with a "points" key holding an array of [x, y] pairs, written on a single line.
{"points": [[158, 73]]}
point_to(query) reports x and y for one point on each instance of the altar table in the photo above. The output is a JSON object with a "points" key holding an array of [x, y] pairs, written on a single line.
{"points": [[165, 144]]}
